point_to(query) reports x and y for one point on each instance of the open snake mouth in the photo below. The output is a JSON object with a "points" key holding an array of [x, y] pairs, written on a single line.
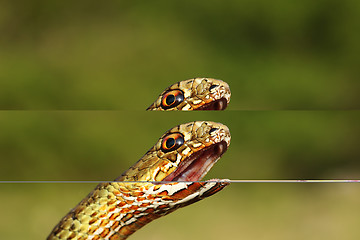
{"points": [[219, 104], [196, 166]]}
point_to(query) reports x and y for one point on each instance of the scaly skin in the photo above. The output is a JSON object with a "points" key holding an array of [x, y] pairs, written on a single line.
{"points": [[117, 209], [194, 94]]}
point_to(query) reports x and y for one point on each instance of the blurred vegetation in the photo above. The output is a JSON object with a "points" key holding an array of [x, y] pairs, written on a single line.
{"points": [[278, 55], [241, 211], [100, 145], [120, 55]]}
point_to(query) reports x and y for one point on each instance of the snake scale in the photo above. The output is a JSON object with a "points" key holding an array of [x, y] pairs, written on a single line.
{"points": [[166, 178]]}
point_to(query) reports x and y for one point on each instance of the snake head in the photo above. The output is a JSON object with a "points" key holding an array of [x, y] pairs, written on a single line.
{"points": [[184, 153], [194, 94]]}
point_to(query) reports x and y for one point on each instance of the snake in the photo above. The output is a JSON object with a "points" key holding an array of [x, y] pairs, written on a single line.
{"points": [[193, 94], [168, 177]]}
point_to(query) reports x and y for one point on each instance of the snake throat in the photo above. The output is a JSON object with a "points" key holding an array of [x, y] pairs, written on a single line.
{"points": [[195, 167]]}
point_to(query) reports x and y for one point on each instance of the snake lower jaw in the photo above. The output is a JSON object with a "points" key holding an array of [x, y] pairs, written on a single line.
{"points": [[196, 191]]}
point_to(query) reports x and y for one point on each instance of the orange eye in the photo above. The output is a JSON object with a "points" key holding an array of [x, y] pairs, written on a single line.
{"points": [[172, 142], [172, 98]]}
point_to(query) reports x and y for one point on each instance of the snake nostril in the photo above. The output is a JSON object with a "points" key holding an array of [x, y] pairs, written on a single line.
{"points": [[212, 87], [213, 130]]}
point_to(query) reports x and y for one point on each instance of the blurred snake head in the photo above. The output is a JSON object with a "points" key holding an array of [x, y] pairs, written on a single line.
{"points": [[184, 153], [194, 94]]}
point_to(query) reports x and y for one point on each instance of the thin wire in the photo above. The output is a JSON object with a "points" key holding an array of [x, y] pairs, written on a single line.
{"points": [[220, 180], [297, 181]]}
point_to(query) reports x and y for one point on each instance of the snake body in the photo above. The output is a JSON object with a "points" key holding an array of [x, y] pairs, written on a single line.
{"points": [[182, 157]]}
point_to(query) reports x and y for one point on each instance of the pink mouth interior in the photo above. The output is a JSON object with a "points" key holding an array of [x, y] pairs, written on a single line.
{"points": [[219, 104], [195, 167]]}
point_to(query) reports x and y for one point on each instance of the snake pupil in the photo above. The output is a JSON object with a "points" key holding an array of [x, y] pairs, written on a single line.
{"points": [[170, 143], [170, 99]]}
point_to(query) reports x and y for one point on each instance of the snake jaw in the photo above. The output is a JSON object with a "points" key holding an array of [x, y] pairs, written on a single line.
{"points": [[204, 147], [195, 167], [218, 105]]}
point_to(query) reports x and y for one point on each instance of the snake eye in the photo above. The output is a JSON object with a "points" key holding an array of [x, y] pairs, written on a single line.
{"points": [[172, 142], [172, 99]]}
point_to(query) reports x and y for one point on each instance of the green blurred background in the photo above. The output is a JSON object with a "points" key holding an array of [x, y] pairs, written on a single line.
{"points": [[100, 145], [110, 61], [89, 55]]}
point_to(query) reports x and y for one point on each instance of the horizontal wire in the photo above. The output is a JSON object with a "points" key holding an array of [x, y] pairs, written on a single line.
{"points": [[298, 181], [220, 180]]}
